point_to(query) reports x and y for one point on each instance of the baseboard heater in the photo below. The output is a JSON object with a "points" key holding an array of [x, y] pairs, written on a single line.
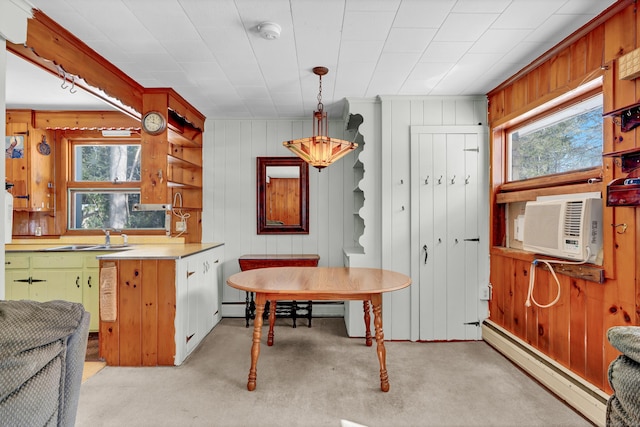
{"points": [[584, 397]]}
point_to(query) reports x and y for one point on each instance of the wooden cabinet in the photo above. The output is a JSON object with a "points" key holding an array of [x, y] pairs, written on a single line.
{"points": [[49, 277], [43, 277], [90, 288], [172, 161], [30, 168], [16, 269], [197, 299], [165, 307]]}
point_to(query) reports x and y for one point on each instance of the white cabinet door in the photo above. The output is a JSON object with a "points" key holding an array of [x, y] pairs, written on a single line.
{"points": [[195, 295], [182, 311], [197, 299]]}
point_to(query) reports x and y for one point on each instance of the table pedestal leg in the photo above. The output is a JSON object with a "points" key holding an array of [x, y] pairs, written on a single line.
{"points": [[255, 348], [376, 301], [367, 323], [272, 321]]}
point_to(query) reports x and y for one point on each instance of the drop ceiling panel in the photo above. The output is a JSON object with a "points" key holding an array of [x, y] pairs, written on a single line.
{"points": [[211, 50]]}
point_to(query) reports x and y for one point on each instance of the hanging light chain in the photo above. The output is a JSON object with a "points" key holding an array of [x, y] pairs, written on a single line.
{"points": [[320, 104]]}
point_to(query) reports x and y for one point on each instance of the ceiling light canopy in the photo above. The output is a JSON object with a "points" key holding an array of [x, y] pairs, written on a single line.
{"points": [[320, 150]]}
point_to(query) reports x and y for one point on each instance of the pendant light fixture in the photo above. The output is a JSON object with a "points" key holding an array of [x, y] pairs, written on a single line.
{"points": [[320, 150]]}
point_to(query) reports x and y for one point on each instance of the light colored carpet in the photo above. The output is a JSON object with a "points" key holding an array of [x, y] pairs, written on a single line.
{"points": [[318, 377]]}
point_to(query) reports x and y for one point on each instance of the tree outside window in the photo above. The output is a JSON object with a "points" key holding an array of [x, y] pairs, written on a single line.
{"points": [[106, 185], [566, 141]]}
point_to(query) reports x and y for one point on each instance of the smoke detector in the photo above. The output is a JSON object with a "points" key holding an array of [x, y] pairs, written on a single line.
{"points": [[269, 30]]}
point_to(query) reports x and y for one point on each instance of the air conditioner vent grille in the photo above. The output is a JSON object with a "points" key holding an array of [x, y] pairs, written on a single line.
{"points": [[573, 218]]}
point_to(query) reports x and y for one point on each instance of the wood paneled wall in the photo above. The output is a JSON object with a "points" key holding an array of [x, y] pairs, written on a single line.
{"points": [[573, 332]]}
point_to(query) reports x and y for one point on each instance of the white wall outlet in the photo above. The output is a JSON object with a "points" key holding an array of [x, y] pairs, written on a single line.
{"points": [[181, 226], [485, 293]]}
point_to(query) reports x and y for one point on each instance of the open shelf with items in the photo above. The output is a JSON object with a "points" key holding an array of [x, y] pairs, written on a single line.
{"points": [[625, 191]]}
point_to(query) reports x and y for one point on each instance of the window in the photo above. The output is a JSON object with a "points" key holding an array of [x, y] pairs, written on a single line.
{"points": [[103, 187], [567, 140]]}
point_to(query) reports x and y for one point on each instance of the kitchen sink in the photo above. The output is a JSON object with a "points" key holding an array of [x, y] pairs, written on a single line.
{"points": [[108, 248], [70, 248]]}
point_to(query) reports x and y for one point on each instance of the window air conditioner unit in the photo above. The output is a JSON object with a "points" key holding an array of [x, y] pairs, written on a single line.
{"points": [[565, 228]]}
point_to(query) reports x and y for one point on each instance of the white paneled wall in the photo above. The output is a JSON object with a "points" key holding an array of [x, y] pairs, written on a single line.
{"points": [[398, 115], [229, 192]]}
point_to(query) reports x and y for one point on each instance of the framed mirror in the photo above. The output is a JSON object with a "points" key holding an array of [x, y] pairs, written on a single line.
{"points": [[282, 195]]}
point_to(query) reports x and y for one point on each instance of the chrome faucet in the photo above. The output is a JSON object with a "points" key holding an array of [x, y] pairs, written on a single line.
{"points": [[107, 238]]}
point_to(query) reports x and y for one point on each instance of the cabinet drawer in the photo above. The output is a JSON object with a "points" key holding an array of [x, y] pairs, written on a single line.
{"points": [[56, 261], [14, 262], [91, 261]]}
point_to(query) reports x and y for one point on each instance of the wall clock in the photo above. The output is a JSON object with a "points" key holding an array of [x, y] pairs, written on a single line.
{"points": [[154, 123]]}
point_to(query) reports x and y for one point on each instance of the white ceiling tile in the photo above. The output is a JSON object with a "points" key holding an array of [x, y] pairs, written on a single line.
{"points": [[367, 25], [409, 39], [369, 5], [219, 13], [200, 71], [483, 6], [474, 26], [527, 14], [422, 14], [398, 63], [385, 83], [557, 27], [590, 7], [498, 41], [360, 50], [211, 52], [445, 51], [425, 77]]}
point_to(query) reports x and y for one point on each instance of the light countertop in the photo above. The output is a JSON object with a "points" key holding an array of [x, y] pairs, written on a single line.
{"points": [[134, 251]]}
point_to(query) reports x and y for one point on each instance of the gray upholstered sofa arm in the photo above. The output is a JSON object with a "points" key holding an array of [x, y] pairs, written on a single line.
{"points": [[623, 407], [42, 351]]}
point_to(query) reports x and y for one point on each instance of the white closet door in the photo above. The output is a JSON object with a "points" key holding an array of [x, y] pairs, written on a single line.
{"points": [[446, 195]]}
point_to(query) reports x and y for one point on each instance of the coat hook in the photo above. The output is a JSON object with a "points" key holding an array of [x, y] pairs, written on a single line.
{"points": [[440, 180], [403, 208], [402, 181], [623, 226], [426, 180], [73, 84], [466, 180], [62, 74], [453, 180]]}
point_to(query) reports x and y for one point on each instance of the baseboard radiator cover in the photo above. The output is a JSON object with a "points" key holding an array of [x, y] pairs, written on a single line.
{"points": [[583, 396]]}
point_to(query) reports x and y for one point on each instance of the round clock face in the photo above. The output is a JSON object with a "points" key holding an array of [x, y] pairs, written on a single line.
{"points": [[153, 122]]}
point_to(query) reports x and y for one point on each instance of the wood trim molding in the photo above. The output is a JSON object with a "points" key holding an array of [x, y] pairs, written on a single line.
{"points": [[566, 43], [49, 45], [584, 176]]}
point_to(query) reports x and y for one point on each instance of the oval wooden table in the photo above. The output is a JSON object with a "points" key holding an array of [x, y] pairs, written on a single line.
{"points": [[319, 283]]}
